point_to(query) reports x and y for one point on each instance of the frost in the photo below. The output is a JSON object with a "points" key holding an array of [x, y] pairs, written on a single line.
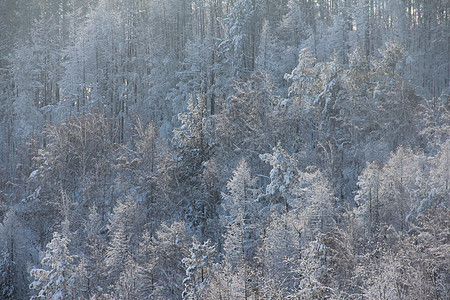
{"points": [[58, 281], [33, 174], [58, 296]]}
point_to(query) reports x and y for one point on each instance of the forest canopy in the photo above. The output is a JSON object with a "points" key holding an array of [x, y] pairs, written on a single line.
{"points": [[224, 149]]}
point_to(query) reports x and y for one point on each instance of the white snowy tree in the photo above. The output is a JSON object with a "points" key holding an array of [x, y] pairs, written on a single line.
{"points": [[242, 27], [388, 194], [242, 231], [124, 228], [241, 215], [15, 254], [193, 136], [305, 78], [126, 286], [161, 268], [386, 281], [198, 270], [368, 196], [313, 271], [435, 119], [77, 157], [280, 250], [193, 145], [58, 279], [91, 266], [284, 178], [318, 205], [308, 193], [272, 58]]}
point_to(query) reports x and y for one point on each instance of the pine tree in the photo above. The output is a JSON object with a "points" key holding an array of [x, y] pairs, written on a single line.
{"points": [[284, 178], [242, 232], [91, 266], [193, 143], [198, 270], [305, 78], [314, 272], [126, 286], [368, 196], [59, 280], [192, 137], [242, 30], [7, 273], [280, 250], [10, 256], [124, 228], [15, 253], [160, 258]]}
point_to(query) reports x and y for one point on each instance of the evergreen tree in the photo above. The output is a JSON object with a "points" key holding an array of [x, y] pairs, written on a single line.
{"points": [[313, 272], [91, 266], [198, 270], [305, 78], [242, 30], [15, 253], [193, 142], [284, 179], [7, 273], [162, 270], [279, 253], [59, 280], [192, 138], [242, 231], [124, 228]]}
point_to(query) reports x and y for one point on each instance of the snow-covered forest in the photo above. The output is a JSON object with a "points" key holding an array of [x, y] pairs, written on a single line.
{"points": [[224, 149]]}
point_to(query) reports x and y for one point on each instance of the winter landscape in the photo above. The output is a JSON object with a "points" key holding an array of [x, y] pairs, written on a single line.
{"points": [[224, 149]]}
